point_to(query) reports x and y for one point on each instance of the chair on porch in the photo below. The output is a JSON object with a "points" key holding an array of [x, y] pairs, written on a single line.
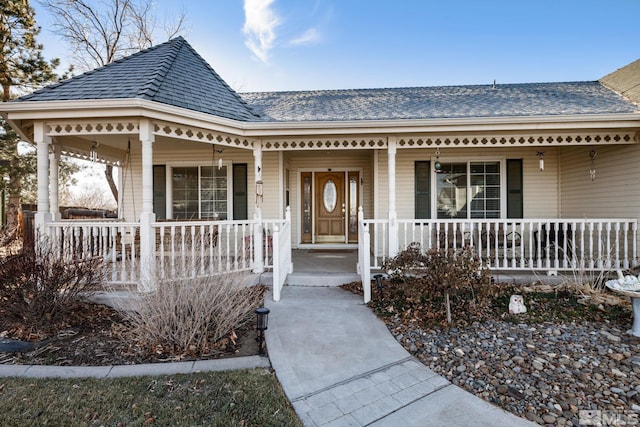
{"points": [[452, 236], [554, 241], [126, 245], [499, 237], [174, 239]]}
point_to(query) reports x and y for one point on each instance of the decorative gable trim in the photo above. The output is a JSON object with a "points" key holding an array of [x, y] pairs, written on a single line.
{"points": [[132, 127], [191, 133], [93, 127], [355, 143], [586, 138]]}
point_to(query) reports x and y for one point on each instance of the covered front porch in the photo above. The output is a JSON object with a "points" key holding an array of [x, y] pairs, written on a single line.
{"points": [[543, 207], [534, 177], [193, 248]]}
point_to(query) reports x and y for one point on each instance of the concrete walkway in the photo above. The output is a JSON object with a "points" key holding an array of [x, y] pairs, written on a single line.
{"points": [[117, 371], [340, 366]]}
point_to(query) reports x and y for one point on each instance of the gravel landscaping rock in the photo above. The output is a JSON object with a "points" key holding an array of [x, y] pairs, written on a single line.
{"points": [[543, 372]]}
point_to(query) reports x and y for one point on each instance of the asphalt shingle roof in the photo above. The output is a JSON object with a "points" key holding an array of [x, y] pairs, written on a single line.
{"points": [[528, 99], [171, 73]]}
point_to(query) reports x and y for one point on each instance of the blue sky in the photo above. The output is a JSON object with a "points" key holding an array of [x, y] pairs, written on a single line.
{"points": [[266, 45]]}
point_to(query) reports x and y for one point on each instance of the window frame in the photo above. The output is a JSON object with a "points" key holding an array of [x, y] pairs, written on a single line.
{"points": [[199, 165], [468, 160]]}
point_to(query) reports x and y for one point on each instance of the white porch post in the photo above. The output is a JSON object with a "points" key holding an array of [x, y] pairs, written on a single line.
{"points": [[43, 215], [393, 223], [54, 173], [147, 217], [258, 258]]}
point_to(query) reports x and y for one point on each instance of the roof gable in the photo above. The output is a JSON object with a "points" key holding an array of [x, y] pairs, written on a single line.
{"points": [[170, 73], [625, 81]]}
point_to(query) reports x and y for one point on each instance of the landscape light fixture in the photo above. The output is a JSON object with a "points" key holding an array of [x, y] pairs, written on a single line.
{"points": [[378, 278], [262, 321]]}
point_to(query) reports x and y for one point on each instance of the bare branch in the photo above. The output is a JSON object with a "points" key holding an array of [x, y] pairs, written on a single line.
{"points": [[144, 22], [99, 33], [178, 26]]}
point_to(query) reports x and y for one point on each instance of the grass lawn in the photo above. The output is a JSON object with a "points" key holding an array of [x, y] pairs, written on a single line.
{"points": [[234, 398]]}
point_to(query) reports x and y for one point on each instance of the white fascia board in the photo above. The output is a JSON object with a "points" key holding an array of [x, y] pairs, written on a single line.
{"points": [[114, 108], [91, 109], [16, 125], [491, 124]]}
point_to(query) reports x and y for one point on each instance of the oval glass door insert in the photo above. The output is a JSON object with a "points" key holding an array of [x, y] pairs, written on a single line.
{"points": [[330, 195]]}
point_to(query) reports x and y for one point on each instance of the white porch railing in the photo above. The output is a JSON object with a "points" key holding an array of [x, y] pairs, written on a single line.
{"points": [[190, 248], [207, 247], [116, 243], [531, 244], [281, 254], [549, 245], [196, 248]]}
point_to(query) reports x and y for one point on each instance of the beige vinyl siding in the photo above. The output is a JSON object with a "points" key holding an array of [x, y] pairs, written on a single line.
{"points": [[383, 185], [540, 188], [271, 208], [615, 192], [185, 154], [300, 161]]}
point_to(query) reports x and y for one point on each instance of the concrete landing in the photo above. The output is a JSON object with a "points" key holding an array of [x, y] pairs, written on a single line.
{"points": [[321, 279]]}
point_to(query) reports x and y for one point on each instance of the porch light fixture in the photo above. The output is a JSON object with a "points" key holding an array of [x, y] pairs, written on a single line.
{"points": [[592, 171], [259, 193], [262, 321], [437, 166], [213, 156], [540, 155], [93, 152]]}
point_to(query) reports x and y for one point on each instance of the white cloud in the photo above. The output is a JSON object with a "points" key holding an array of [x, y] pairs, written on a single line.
{"points": [[259, 27], [310, 36]]}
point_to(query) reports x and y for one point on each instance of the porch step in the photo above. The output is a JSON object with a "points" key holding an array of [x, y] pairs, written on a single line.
{"points": [[321, 279]]}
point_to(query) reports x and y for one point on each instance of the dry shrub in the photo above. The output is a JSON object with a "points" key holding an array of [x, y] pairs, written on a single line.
{"points": [[189, 315], [38, 287], [423, 283]]}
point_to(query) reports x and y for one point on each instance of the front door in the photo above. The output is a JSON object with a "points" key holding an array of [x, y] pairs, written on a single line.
{"points": [[330, 207]]}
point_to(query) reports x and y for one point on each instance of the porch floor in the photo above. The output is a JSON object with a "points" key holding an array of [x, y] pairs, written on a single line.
{"points": [[335, 267], [323, 267], [324, 260]]}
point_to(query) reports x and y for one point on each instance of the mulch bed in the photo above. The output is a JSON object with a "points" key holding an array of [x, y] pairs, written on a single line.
{"points": [[96, 335], [559, 305]]}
